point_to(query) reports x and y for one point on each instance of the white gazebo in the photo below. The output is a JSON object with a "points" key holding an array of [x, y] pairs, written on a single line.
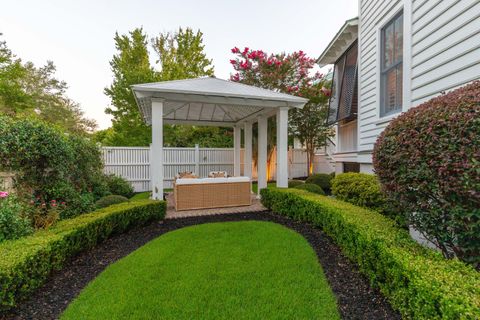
{"points": [[217, 102]]}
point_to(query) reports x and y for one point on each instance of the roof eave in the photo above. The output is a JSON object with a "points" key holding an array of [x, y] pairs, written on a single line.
{"points": [[347, 33], [293, 101]]}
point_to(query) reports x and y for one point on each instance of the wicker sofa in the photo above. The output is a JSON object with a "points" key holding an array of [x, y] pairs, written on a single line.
{"points": [[212, 193]]}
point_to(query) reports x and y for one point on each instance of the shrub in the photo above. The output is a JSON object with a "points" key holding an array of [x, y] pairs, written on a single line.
{"points": [[49, 164], [294, 183], [75, 202], [119, 186], [13, 222], [428, 161], [109, 200], [417, 281], [310, 187], [322, 180], [360, 189], [27, 262]]}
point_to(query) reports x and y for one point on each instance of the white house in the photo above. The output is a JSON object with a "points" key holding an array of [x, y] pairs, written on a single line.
{"points": [[394, 56]]}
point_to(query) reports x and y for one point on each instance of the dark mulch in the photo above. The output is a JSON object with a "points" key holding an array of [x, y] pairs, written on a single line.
{"points": [[356, 299]]}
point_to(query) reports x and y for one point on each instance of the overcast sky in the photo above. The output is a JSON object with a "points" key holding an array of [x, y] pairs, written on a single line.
{"points": [[78, 35]]}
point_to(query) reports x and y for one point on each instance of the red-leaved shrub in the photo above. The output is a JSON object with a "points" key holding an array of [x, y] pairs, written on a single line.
{"points": [[428, 162]]}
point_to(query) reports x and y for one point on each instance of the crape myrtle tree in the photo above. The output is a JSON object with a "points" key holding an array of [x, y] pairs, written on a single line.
{"points": [[178, 55], [292, 74]]}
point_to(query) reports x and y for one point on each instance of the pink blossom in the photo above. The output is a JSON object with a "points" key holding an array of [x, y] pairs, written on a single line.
{"points": [[235, 50], [3, 194], [326, 92], [233, 61], [244, 65]]}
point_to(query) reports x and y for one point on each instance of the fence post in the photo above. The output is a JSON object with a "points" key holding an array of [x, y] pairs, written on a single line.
{"points": [[197, 160]]}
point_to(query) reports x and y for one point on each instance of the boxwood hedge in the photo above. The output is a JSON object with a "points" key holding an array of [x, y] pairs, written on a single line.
{"points": [[418, 282], [26, 263]]}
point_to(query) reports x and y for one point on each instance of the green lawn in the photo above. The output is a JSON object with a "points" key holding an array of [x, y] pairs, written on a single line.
{"points": [[232, 270], [255, 186], [141, 196]]}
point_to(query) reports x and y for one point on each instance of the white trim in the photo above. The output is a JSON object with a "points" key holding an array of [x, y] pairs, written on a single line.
{"points": [[344, 38], [407, 56], [262, 152], [282, 147], [247, 155], [157, 150], [237, 138], [359, 75]]}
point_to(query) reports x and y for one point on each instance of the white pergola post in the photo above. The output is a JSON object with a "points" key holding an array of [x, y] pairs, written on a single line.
{"points": [[282, 147], [156, 161], [247, 157], [237, 140], [262, 153]]}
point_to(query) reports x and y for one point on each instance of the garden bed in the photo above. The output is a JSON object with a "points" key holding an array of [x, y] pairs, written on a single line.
{"points": [[418, 282], [355, 298]]}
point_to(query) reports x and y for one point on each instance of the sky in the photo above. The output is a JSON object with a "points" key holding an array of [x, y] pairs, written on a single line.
{"points": [[78, 35]]}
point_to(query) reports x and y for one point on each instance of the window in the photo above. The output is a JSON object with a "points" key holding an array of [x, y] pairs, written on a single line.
{"points": [[343, 101], [351, 167], [392, 66]]}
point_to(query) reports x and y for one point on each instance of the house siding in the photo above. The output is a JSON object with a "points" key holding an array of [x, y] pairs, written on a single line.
{"points": [[441, 52], [372, 14], [445, 46]]}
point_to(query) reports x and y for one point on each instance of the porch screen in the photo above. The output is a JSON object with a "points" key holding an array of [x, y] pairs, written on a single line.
{"points": [[343, 101]]}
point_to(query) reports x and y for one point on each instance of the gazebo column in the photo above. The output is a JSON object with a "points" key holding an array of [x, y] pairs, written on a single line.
{"points": [[247, 156], [237, 140], [262, 153], [282, 147], [156, 158]]}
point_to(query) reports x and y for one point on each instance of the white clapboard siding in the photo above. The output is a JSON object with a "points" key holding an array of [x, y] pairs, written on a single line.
{"points": [[445, 46], [133, 163], [441, 53]]}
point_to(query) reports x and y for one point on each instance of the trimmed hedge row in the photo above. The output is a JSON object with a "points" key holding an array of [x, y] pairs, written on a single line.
{"points": [[26, 263], [418, 282]]}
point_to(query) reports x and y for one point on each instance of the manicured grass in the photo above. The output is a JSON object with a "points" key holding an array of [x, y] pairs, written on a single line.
{"points": [[141, 195], [232, 270], [255, 186], [146, 195]]}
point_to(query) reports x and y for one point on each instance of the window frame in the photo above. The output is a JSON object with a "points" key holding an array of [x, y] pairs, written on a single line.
{"points": [[384, 71], [340, 84]]}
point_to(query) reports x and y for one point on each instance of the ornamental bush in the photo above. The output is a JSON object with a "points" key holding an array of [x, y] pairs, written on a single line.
{"points": [[418, 282], [26, 263], [360, 189], [310, 187], [295, 183], [109, 200], [13, 222], [428, 161], [50, 164], [322, 180], [119, 186]]}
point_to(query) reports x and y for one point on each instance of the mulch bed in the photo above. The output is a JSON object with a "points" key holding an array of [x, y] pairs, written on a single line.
{"points": [[356, 299]]}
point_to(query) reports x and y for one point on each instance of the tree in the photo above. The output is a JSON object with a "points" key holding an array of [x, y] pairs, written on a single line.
{"points": [[130, 65], [27, 90], [180, 55], [292, 74]]}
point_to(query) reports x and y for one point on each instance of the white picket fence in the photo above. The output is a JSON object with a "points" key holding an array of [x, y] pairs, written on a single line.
{"points": [[133, 163]]}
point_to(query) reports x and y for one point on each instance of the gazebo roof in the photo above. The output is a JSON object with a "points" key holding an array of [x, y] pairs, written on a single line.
{"points": [[210, 101]]}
